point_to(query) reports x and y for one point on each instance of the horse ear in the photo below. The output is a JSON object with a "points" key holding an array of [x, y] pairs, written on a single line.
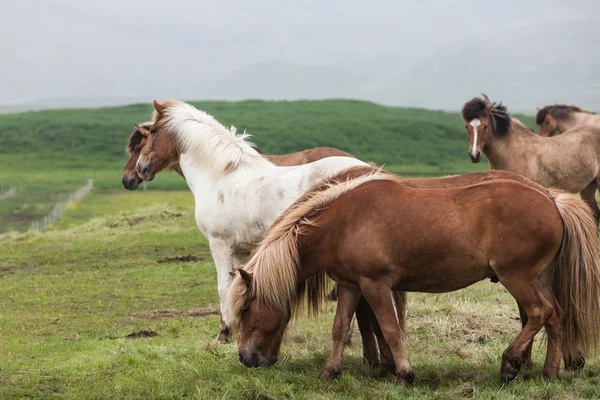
{"points": [[158, 107], [246, 276], [136, 127]]}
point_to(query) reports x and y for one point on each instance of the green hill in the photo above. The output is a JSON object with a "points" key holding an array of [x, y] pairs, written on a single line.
{"points": [[399, 136], [50, 153]]}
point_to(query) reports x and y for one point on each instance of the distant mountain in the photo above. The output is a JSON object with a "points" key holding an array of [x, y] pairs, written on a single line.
{"points": [[513, 67], [285, 80]]}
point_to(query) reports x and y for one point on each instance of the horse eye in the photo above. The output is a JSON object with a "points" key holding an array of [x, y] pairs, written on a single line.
{"points": [[485, 127], [152, 131], [246, 308]]}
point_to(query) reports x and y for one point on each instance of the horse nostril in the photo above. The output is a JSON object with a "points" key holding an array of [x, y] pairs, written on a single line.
{"points": [[241, 357], [255, 359]]}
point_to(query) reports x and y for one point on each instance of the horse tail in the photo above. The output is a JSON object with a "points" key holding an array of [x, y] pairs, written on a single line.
{"points": [[576, 282]]}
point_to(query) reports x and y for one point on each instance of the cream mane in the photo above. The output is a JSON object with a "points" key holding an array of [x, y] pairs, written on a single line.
{"points": [[218, 148], [274, 264]]}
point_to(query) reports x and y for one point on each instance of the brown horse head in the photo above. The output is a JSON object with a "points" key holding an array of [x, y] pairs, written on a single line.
{"points": [[161, 149], [549, 117], [483, 118], [137, 141], [260, 326]]}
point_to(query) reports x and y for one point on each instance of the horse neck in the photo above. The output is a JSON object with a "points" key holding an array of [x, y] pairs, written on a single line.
{"points": [[578, 119], [197, 178], [510, 149]]}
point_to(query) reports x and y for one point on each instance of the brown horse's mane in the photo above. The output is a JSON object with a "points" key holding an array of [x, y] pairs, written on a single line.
{"points": [[274, 263], [558, 111], [483, 107], [136, 137]]}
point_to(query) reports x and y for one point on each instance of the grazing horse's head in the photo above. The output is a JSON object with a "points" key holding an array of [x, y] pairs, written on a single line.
{"points": [[547, 120], [137, 141], [260, 326], [483, 118], [550, 118], [160, 149]]}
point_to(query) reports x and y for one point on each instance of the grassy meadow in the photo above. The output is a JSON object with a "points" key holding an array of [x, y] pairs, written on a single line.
{"points": [[111, 310], [119, 300]]}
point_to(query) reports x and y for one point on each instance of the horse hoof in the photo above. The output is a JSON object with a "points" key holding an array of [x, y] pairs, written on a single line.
{"points": [[329, 373], [575, 363], [406, 377], [371, 363], [508, 379], [386, 373]]}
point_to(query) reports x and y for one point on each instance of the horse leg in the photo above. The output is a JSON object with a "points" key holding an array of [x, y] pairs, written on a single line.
{"points": [[347, 302], [224, 261], [363, 319], [400, 303], [538, 311], [527, 361], [388, 366], [588, 194], [554, 327], [332, 296], [381, 300]]}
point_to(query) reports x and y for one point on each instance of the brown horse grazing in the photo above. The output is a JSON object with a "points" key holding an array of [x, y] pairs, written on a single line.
{"points": [[139, 137], [542, 249], [561, 117], [368, 325], [568, 162]]}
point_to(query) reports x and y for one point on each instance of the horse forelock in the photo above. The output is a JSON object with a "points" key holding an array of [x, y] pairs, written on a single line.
{"points": [[477, 107], [274, 264], [136, 137], [483, 107], [558, 111], [195, 130]]}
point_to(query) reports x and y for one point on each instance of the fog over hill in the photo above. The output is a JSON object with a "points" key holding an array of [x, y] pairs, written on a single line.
{"points": [[59, 53]]}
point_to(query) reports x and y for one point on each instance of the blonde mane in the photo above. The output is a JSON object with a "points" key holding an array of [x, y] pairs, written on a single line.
{"points": [[220, 149], [274, 264]]}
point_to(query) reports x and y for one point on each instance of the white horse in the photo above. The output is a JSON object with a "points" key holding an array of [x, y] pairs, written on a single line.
{"points": [[238, 193]]}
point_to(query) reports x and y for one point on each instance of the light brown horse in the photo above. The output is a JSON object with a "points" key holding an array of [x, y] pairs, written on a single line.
{"points": [[367, 323], [561, 117], [131, 180], [568, 162], [429, 241]]}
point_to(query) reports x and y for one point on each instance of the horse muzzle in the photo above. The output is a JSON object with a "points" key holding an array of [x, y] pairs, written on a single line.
{"points": [[475, 159], [252, 359], [131, 182]]}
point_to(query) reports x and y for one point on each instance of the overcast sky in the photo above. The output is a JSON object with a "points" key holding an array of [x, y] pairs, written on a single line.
{"points": [[68, 49]]}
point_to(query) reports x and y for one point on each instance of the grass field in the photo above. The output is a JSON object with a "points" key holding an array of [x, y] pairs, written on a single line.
{"points": [[70, 299], [119, 300]]}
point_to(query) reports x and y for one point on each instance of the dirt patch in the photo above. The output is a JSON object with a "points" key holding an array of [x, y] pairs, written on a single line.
{"points": [[10, 268], [181, 259], [19, 217], [142, 334], [174, 313]]}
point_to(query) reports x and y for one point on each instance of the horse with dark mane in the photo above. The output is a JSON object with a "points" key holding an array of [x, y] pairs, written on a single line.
{"points": [[562, 117], [568, 162], [541, 246]]}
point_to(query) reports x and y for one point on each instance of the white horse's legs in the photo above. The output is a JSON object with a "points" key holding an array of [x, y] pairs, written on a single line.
{"points": [[225, 262]]}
